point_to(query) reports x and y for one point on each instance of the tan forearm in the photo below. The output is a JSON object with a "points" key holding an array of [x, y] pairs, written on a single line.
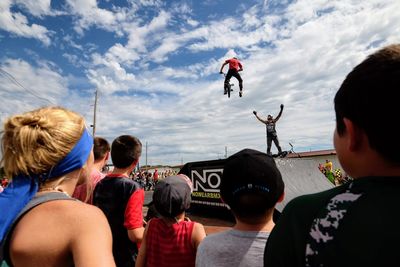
{"points": [[136, 235]]}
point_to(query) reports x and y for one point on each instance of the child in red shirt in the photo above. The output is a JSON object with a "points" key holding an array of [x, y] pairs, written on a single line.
{"points": [[171, 240]]}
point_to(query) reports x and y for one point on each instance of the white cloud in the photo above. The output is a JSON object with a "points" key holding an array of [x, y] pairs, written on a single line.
{"points": [[37, 8], [69, 40], [25, 86], [16, 23], [117, 20], [151, 3], [193, 23], [90, 14], [73, 59]]}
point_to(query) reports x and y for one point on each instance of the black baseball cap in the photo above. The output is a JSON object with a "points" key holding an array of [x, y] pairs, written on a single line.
{"points": [[251, 172], [172, 195]]}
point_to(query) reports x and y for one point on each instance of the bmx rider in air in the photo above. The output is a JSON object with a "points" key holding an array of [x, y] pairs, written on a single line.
{"points": [[234, 67]]}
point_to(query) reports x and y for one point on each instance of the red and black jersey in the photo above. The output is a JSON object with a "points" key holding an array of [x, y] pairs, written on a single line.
{"points": [[121, 199]]}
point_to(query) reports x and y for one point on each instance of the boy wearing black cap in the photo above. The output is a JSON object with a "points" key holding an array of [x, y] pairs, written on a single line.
{"points": [[171, 240], [251, 186]]}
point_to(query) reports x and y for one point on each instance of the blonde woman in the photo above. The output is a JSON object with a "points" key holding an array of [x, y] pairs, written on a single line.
{"points": [[47, 152]]}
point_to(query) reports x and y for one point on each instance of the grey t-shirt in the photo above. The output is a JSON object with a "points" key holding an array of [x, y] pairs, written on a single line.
{"points": [[232, 248]]}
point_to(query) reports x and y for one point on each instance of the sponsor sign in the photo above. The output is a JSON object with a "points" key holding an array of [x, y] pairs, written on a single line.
{"points": [[206, 178]]}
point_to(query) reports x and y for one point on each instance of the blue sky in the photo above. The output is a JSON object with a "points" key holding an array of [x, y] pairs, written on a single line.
{"points": [[155, 66]]}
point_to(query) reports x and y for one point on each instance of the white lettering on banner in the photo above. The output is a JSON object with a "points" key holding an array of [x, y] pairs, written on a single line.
{"points": [[208, 181]]}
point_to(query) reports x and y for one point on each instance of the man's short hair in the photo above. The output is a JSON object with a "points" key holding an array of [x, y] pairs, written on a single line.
{"points": [[125, 150], [100, 148], [251, 183], [369, 97]]}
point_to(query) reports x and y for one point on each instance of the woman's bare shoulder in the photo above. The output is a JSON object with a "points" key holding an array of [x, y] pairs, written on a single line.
{"points": [[55, 226], [68, 213], [80, 214]]}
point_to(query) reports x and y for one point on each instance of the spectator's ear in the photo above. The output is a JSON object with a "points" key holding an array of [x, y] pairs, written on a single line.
{"points": [[281, 198], [133, 165], [355, 136]]}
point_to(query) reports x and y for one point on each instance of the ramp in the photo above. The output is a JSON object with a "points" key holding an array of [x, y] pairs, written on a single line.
{"points": [[301, 176]]}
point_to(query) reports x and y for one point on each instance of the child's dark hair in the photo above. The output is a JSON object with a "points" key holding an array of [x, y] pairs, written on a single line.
{"points": [[250, 207], [125, 150], [251, 184], [100, 148], [369, 97]]}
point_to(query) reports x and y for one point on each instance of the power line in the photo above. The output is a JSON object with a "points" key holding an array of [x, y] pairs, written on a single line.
{"points": [[15, 81]]}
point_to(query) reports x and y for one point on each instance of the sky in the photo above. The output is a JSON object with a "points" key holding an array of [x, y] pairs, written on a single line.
{"points": [[155, 66]]}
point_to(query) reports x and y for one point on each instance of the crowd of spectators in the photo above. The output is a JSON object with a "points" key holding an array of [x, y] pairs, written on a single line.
{"points": [[148, 179], [335, 175]]}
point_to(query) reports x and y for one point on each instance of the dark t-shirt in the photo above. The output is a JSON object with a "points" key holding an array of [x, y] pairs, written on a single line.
{"points": [[368, 234], [270, 126], [113, 196]]}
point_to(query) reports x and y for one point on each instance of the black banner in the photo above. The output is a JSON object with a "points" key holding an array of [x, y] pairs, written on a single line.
{"points": [[206, 178]]}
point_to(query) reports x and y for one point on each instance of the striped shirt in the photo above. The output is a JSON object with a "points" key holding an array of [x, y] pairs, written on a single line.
{"points": [[169, 245]]}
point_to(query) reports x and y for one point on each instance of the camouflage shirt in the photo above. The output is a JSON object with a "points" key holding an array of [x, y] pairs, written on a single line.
{"points": [[356, 224]]}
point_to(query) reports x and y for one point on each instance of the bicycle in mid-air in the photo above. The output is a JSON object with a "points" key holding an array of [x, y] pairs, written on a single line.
{"points": [[227, 86]]}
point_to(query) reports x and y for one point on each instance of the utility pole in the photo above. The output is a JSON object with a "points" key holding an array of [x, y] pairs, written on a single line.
{"points": [[146, 156], [226, 151], [94, 114]]}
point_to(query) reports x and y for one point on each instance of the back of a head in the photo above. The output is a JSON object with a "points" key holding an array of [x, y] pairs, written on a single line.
{"points": [[125, 150], [369, 98], [33, 142], [100, 148], [251, 184], [172, 195]]}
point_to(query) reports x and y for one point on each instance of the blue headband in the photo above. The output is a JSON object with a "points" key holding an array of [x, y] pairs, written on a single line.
{"points": [[23, 187], [74, 160]]}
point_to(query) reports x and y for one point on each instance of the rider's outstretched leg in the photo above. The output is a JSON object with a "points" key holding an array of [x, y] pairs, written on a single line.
{"points": [[240, 85]]}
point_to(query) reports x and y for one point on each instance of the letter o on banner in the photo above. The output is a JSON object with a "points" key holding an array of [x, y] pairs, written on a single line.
{"points": [[214, 183]]}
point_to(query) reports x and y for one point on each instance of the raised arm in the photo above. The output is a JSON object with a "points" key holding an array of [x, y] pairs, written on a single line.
{"points": [[280, 113], [258, 118], [222, 67]]}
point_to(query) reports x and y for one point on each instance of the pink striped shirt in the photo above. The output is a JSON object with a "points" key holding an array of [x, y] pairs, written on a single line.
{"points": [[80, 190]]}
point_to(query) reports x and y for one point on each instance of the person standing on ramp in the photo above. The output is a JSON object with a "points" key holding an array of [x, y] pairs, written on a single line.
{"points": [[270, 123]]}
